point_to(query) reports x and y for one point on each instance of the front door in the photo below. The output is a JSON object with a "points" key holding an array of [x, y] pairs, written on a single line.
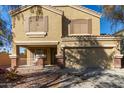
{"points": [[53, 55], [50, 55], [40, 51]]}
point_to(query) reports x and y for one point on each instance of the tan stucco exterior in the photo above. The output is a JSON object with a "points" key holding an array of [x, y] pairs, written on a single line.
{"points": [[55, 28], [72, 13], [90, 52], [58, 36]]}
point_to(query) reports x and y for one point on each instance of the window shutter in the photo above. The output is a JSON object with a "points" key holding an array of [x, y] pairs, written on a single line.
{"points": [[90, 26], [26, 24], [40, 24], [45, 23], [71, 27], [32, 24]]}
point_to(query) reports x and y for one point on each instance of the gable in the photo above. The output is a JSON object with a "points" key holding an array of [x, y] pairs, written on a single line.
{"points": [[24, 8], [24, 27], [79, 8], [86, 10], [58, 11], [74, 13]]}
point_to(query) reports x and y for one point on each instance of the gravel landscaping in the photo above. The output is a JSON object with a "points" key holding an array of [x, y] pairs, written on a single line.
{"points": [[66, 78]]}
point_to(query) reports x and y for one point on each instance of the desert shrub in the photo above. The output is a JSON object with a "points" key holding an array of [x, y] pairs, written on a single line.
{"points": [[10, 75]]}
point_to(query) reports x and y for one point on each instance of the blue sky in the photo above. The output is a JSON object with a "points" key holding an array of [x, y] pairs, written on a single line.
{"points": [[105, 25]]}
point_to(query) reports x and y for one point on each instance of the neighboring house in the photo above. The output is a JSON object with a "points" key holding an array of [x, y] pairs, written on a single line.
{"points": [[119, 33], [66, 35]]}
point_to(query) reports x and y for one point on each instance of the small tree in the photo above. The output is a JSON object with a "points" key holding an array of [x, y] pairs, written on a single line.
{"points": [[114, 13], [5, 33]]}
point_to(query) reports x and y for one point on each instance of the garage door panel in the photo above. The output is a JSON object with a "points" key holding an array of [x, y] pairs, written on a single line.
{"points": [[78, 58]]}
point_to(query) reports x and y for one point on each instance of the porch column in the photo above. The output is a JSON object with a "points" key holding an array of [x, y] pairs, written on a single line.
{"points": [[117, 60], [14, 55], [29, 59], [118, 56], [60, 56]]}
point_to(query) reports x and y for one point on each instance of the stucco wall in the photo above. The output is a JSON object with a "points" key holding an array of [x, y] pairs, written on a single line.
{"points": [[92, 56], [90, 53], [54, 23], [77, 58], [71, 13], [54, 26]]}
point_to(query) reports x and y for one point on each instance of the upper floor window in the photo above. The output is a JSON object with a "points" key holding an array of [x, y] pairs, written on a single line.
{"points": [[81, 27], [38, 24]]}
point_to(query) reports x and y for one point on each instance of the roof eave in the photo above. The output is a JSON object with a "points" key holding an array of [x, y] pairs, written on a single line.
{"points": [[87, 10], [14, 12]]}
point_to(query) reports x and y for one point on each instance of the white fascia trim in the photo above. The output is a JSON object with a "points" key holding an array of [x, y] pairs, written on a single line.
{"points": [[93, 46], [87, 10], [43, 6], [23, 8], [36, 42], [51, 8]]}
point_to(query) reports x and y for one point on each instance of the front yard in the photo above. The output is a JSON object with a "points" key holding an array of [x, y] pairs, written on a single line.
{"points": [[64, 78]]}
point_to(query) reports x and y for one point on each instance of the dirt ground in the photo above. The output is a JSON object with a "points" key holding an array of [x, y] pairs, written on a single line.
{"points": [[65, 78]]}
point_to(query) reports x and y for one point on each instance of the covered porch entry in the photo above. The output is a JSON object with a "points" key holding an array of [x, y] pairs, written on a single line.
{"points": [[37, 54], [45, 53]]}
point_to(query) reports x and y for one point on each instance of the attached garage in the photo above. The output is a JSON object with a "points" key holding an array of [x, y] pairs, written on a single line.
{"points": [[91, 51], [84, 57]]}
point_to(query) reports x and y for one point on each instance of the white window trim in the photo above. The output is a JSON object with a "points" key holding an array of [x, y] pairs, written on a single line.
{"points": [[36, 34]]}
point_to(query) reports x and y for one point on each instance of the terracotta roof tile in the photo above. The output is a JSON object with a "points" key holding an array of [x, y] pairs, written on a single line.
{"points": [[92, 36]]}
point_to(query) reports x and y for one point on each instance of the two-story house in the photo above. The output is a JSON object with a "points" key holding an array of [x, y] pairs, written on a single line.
{"points": [[66, 35]]}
